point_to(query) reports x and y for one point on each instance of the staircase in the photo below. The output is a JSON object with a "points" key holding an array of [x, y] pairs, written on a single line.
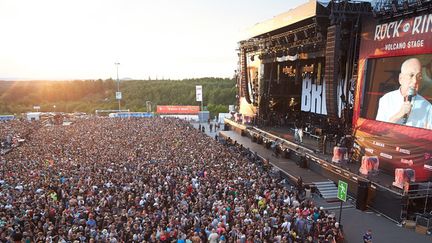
{"points": [[327, 189]]}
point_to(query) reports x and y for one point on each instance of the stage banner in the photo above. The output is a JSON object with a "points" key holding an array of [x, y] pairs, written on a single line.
{"points": [[313, 97], [398, 37], [392, 109], [118, 95], [172, 109], [198, 89]]}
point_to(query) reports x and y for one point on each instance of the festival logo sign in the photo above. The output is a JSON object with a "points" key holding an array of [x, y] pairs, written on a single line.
{"points": [[398, 36]]}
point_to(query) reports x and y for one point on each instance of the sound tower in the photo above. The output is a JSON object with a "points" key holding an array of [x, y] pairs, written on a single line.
{"points": [[362, 194], [331, 74], [243, 76]]}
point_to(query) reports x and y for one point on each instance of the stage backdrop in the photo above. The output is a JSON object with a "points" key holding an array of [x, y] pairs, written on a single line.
{"points": [[384, 47]]}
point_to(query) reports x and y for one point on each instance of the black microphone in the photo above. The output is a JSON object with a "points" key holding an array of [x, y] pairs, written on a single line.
{"points": [[411, 94]]}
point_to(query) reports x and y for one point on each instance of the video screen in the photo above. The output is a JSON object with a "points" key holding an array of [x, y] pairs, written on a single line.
{"points": [[399, 90]]}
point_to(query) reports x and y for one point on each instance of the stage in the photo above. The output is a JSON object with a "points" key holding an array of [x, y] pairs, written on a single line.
{"points": [[312, 163], [311, 148]]}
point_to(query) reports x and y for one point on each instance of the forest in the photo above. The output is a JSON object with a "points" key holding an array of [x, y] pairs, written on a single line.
{"points": [[18, 97]]}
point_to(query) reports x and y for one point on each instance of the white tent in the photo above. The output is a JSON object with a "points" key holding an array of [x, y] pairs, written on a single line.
{"points": [[33, 116]]}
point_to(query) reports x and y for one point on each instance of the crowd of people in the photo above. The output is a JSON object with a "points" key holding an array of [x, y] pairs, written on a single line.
{"points": [[13, 131], [147, 180]]}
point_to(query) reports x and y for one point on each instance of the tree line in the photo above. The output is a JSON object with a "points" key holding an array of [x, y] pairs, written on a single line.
{"points": [[88, 95]]}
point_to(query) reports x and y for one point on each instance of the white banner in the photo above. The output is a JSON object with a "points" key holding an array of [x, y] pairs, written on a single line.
{"points": [[118, 95], [313, 97], [287, 58], [198, 93]]}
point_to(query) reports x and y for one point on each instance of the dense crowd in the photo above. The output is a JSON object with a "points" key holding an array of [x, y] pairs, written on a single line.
{"points": [[14, 130], [147, 180]]}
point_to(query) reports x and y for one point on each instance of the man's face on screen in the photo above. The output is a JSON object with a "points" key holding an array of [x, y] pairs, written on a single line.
{"points": [[410, 76]]}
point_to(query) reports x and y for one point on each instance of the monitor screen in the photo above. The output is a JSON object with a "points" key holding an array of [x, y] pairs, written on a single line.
{"points": [[399, 90]]}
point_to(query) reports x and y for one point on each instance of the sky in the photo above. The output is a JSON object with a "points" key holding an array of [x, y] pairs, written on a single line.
{"points": [[82, 39]]}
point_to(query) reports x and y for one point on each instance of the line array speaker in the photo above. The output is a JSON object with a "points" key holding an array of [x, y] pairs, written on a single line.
{"points": [[331, 74]]}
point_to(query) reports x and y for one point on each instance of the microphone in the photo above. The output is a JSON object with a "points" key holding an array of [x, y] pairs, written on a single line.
{"points": [[411, 94]]}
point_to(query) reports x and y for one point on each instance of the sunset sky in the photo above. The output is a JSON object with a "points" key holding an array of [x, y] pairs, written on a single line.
{"points": [[82, 39]]}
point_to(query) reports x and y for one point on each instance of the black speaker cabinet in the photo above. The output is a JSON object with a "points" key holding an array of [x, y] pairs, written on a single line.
{"points": [[303, 162], [226, 127], [362, 194]]}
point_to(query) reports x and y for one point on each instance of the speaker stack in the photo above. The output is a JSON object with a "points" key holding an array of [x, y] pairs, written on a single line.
{"points": [[303, 162], [226, 127], [332, 68], [362, 194]]}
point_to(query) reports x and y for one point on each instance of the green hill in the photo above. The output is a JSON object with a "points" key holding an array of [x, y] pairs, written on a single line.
{"points": [[87, 96]]}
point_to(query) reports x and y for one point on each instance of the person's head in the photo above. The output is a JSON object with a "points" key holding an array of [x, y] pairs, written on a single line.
{"points": [[410, 75]]}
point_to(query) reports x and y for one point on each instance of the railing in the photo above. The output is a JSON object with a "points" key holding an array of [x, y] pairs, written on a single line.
{"points": [[420, 190]]}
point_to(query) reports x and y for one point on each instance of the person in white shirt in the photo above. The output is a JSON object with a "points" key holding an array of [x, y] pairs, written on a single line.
{"points": [[286, 225], [213, 237], [405, 106]]}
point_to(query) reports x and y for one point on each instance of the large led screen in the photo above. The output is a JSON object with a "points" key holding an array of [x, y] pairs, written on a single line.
{"points": [[398, 90]]}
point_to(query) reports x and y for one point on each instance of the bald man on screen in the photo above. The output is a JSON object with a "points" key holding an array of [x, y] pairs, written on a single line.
{"points": [[405, 106]]}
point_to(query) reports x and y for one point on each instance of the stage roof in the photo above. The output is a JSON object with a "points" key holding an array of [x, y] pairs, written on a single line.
{"points": [[292, 16]]}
